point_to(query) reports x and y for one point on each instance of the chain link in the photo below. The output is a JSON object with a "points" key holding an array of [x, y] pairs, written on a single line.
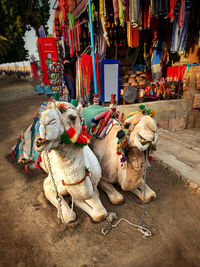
{"points": [[60, 214]]}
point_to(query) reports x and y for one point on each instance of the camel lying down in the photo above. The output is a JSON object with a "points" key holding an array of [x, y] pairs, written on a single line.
{"points": [[62, 144], [126, 168]]}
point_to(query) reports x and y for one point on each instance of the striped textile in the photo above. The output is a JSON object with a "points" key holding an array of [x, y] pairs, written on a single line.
{"points": [[81, 6]]}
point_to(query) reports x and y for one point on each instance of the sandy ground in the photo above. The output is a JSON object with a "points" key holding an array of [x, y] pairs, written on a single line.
{"points": [[31, 234]]}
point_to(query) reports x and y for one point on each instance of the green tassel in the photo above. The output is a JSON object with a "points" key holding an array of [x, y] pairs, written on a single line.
{"points": [[56, 96], [65, 139], [142, 108], [148, 111]]}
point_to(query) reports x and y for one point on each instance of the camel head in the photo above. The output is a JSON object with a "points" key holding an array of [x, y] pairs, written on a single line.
{"points": [[143, 131], [54, 121]]}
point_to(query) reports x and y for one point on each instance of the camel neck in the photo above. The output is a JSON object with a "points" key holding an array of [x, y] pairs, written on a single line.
{"points": [[71, 159]]}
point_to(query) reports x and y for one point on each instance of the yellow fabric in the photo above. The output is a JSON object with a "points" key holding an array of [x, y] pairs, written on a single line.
{"points": [[121, 13]]}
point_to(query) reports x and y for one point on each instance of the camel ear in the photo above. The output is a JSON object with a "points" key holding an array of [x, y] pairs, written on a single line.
{"points": [[79, 108]]}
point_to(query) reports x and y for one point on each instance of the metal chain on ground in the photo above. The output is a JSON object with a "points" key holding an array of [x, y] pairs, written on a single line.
{"points": [[112, 215], [60, 214]]}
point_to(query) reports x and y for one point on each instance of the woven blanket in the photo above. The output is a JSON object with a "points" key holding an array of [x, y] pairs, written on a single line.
{"points": [[24, 150], [99, 120], [90, 112]]}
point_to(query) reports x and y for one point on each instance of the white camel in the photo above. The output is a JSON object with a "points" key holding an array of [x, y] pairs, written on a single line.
{"points": [[76, 170], [129, 172]]}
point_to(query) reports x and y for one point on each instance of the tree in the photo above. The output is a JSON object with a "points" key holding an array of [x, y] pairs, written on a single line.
{"points": [[16, 18]]}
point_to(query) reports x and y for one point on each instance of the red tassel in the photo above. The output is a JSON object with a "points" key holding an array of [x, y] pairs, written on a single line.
{"points": [[71, 132], [122, 165], [81, 140], [85, 133], [27, 169], [39, 159], [150, 158], [12, 154]]}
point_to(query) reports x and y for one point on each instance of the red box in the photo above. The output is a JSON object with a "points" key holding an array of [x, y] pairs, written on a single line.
{"points": [[46, 46]]}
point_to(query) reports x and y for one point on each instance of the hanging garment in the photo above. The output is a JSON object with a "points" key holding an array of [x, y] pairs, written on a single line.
{"points": [[102, 15], [179, 35], [121, 13], [71, 19], [101, 43], [71, 5], [181, 13], [134, 11], [80, 7], [146, 11], [56, 25], [127, 11], [172, 6], [62, 13], [193, 25], [84, 77], [159, 8], [132, 35], [116, 11]]}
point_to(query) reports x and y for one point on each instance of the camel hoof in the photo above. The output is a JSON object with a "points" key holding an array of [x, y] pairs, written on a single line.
{"points": [[67, 219], [150, 197], [99, 217], [117, 200]]}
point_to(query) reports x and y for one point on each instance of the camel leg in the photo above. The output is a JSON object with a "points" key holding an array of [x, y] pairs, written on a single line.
{"points": [[89, 206], [99, 212], [139, 192], [114, 196], [50, 193]]}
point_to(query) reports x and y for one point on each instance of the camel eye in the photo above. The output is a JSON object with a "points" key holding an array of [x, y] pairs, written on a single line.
{"points": [[127, 125], [72, 118]]}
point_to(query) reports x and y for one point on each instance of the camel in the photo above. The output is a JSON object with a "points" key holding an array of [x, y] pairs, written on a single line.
{"points": [[126, 168], [65, 155]]}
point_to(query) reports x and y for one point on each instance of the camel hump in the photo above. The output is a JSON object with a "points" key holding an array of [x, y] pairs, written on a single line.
{"points": [[90, 112]]}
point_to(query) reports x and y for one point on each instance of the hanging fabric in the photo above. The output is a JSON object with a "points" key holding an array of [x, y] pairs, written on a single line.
{"points": [[172, 6], [71, 5], [56, 25], [62, 13], [80, 7], [84, 77], [127, 11], [121, 13], [146, 13], [179, 34], [116, 11], [102, 15], [134, 11], [132, 35], [181, 13], [71, 19]]}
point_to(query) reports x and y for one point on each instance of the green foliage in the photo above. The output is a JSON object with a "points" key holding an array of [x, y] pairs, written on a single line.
{"points": [[16, 18]]}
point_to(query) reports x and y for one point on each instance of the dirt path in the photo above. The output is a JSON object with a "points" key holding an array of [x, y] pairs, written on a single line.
{"points": [[31, 234]]}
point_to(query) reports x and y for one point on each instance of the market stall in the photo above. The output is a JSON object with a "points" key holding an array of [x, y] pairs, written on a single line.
{"points": [[151, 43]]}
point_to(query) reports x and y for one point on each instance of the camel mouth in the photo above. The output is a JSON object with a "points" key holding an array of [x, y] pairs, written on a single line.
{"points": [[141, 143], [41, 142], [142, 140]]}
